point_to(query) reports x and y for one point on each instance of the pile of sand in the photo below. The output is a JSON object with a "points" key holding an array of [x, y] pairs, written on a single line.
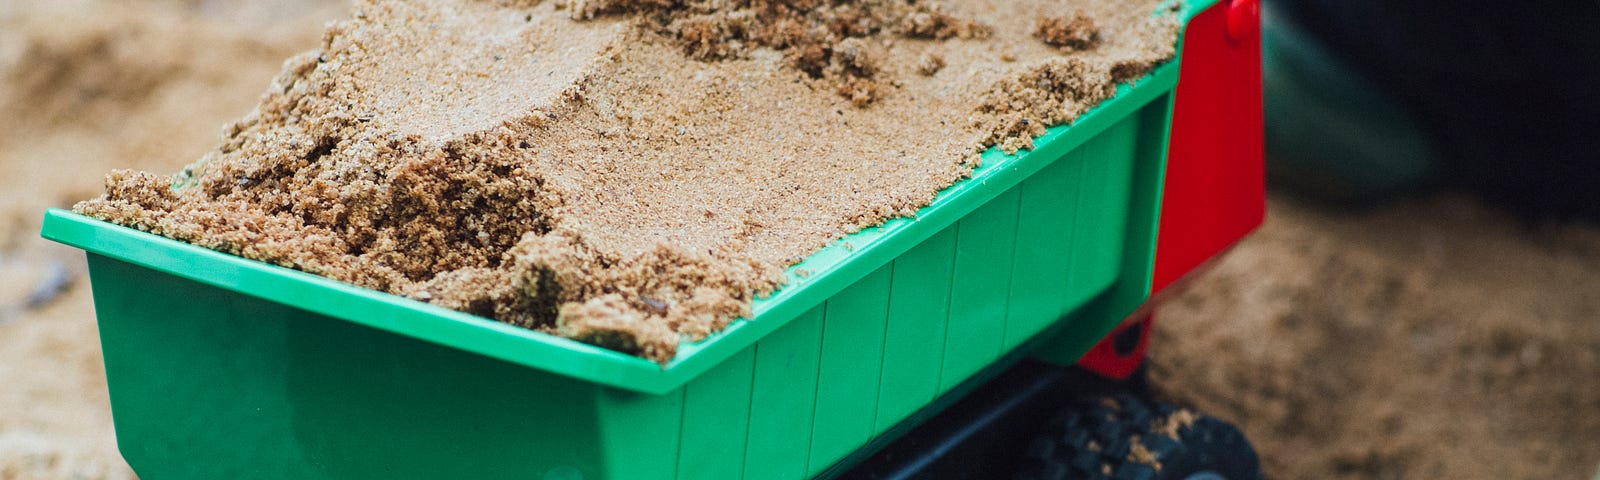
{"points": [[626, 173]]}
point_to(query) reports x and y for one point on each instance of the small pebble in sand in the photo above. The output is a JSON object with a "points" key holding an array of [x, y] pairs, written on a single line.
{"points": [[930, 64]]}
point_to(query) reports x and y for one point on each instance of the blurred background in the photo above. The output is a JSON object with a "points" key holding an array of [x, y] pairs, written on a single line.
{"points": [[1423, 300]]}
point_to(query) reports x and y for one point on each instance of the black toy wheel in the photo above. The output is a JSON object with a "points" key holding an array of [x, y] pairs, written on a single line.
{"points": [[1127, 438]]}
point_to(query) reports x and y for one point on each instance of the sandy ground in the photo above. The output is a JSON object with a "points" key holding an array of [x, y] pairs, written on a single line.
{"points": [[87, 86], [1436, 338], [1428, 339]]}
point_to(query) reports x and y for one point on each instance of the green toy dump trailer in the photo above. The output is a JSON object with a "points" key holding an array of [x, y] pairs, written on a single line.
{"points": [[222, 367]]}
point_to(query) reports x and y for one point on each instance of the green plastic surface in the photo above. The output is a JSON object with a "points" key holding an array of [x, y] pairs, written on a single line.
{"points": [[221, 367]]}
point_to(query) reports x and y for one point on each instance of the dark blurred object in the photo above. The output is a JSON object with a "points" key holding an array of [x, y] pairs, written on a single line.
{"points": [[1331, 134], [1502, 97]]}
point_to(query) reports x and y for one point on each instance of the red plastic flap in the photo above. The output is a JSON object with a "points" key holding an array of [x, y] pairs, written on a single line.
{"points": [[1215, 183]]}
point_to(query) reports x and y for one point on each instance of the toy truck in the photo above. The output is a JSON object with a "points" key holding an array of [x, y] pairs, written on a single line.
{"points": [[223, 367]]}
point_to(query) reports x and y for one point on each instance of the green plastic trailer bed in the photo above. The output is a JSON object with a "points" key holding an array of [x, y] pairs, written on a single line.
{"points": [[222, 367]]}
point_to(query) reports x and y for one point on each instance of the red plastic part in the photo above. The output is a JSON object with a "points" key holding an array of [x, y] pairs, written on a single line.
{"points": [[1104, 359], [1215, 187], [1244, 20]]}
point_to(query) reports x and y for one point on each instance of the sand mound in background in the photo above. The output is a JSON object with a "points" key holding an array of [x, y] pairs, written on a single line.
{"points": [[626, 173], [87, 86], [1433, 338]]}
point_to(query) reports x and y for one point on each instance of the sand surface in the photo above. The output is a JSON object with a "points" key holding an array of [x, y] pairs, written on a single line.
{"points": [[1433, 338]]}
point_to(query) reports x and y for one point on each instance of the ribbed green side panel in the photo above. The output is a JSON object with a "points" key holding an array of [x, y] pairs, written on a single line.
{"points": [[1050, 200], [984, 253], [1100, 231], [717, 407], [919, 310], [852, 356], [640, 432], [784, 399]]}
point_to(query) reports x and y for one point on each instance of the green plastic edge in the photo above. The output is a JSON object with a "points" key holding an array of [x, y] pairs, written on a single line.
{"points": [[830, 270]]}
